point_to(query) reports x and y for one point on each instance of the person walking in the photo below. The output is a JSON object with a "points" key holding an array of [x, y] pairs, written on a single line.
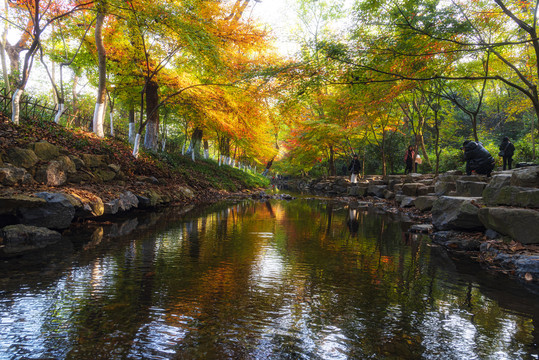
{"points": [[507, 149], [409, 159], [354, 168]]}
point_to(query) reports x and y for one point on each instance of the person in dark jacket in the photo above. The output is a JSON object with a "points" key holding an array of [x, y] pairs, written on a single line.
{"points": [[409, 159], [354, 168], [477, 158], [507, 149]]}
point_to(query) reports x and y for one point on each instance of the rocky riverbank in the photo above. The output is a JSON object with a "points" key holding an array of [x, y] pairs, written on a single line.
{"points": [[51, 178], [495, 220]]}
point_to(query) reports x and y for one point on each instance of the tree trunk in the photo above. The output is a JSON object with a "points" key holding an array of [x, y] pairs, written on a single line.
{"points": [[268, 166], [331, 162], [132, 125], [3, 44], [99, 112], [77, 122], [196, 140], [206, 149], [152, 116]]}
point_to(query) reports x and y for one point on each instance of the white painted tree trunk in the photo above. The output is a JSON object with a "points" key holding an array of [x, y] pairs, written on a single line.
{"points": [[150, 137], [183, 149], [16, 106], [132, 128], [193, 155], [61, 109], [220, 159], [99, 116], [136, 146], [164, 145], [111, 125], [206, 154]]}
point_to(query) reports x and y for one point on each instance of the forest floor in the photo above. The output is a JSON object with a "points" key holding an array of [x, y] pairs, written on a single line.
{"points": [[205, 177]]}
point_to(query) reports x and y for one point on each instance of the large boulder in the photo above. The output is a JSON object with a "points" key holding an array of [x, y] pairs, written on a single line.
{"points": [[521, 225], [410, 189], [11, 175], [425, 203], [51, 174], [86, 207], [105, 175], [526, 177], [20, 238], [45, 151], [376, 190], [127, 201], [456, 213], [496, 184], [24, 158], [445, 183], [500, 192], [94, 161], [67, 164], [10, 204], [57, 213], [470, 188]]}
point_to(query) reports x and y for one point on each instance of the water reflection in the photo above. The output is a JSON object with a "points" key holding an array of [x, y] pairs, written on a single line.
{"points": [[269, 280]]}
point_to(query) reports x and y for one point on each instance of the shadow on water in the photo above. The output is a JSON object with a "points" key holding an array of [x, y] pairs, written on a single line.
{"points": [[300, 279]]}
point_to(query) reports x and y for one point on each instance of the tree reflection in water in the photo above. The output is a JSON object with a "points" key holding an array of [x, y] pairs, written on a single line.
{"points": [[254, 280]]}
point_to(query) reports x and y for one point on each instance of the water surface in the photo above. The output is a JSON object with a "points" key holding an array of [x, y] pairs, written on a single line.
{"points": [[260, 280]]}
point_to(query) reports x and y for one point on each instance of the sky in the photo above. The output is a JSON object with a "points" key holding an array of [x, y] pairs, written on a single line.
{"points": [[279, 15]]}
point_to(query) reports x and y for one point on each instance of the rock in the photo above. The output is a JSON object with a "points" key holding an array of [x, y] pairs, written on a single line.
{"points": [[154, 180], [144, 202], [524, 266], [24, 158], [79, 177], [425, 203], [413, 178], [407, 201], [51, 174], [86, 207], [127, 201], [388, 194], [10, 204], [470, 188], [94, 161], [115, 167], [79, 163], [104, 175], [512, 196], [496, 184], [186, 192], [376, 190], [491, 234], [456, 240], [444, 187], [410, 189], [67, 164], [526, 177], [11, 175], [521, 225], [456, 213], [20, 238], [45, 151], [111, 207], [56, 213]]}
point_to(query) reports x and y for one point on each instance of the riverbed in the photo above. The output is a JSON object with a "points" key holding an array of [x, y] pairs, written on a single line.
{"points": [[246, 279]]}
